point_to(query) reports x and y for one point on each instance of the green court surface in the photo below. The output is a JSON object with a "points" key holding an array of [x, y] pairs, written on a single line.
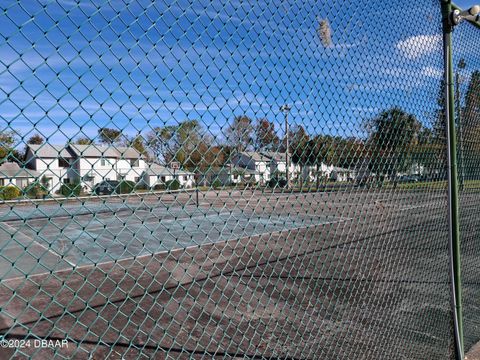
{"points": [[38, 239]]}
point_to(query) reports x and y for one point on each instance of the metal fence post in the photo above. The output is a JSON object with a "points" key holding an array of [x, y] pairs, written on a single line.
{"points": [[453, 210]]}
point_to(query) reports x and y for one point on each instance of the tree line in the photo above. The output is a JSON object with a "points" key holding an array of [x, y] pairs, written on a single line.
{"points": [[393, 141]]}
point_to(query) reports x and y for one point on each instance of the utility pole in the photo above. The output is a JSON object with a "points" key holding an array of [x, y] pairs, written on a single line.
{"points": [[286, 109]]}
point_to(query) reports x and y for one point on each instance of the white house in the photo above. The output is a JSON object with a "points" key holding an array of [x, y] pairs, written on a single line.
{"points": [[278, 163], [155, 174], [51, 161], [258, 165], [87, 164], [342, 174], [233, 175], [13, 175], [92, 164]]}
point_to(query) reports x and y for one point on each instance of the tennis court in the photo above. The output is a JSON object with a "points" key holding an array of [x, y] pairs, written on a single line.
{"points": [[263, 248], [66, 235]]}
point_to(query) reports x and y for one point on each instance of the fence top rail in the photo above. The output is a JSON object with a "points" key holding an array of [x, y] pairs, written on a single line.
{"points": [[475, 23]]}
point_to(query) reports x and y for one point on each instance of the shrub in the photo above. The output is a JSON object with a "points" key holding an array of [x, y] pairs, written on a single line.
{"points": [[276, 182], [217, 184], [173, 184], [125, 187], [35, 191], [44, 182], [141, 186], [71, 189], [9, 192], [159, 187]]}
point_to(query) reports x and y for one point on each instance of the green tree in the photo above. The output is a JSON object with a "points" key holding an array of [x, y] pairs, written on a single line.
{"points": [[36, 139], [8, 140], [470, 131], [240, 133], [109, 136], [159, 141], [83, 141], [138, 143], [393, 135], [266, 137]]}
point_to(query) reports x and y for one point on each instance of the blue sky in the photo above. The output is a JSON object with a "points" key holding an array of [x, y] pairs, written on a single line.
{"points": [[68, 68]]}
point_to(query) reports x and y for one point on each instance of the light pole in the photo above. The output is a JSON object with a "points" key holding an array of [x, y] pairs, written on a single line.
{"points": [[461, 65], [286, 109]]}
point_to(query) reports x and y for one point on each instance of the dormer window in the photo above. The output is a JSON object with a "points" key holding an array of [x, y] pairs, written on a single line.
{"points": [[63, 163]]}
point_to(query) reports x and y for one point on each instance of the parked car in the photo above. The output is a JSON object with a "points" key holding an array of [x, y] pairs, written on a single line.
{"points": [[106, 187], [409, 179]]}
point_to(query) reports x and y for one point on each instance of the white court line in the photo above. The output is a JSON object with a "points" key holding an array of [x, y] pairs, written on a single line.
{"points": [[39, 244], [154, 221], [411, 207]]}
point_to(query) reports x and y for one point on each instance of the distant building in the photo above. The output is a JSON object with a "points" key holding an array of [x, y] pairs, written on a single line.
{"points": [[262, 165], [51, 161], [92, 164], [155, 174], [87, 164], [256, 163], [13, 175], [342, 174]]}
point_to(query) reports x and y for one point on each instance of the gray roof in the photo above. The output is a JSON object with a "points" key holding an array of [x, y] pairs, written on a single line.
{"points": [[237, 169], [275, 155], [12, 170], [339, 169], [256, 156], [265, 155], [49, 151], [98, 151], [159, 170]]}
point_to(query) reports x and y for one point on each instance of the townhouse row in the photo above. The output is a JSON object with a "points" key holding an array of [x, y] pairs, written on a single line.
{"points": [[261, 166], [92, 164]]}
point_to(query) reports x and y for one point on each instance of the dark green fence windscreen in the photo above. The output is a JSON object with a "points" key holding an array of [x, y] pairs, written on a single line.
{"points": [[232, 179]]}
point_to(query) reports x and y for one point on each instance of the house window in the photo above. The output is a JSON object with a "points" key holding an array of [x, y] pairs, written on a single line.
{"points": [[21, 183], [134, 163], [66, 180], [163, 178], [103, 162], [137, 179], [2, 182], [63, 163]]}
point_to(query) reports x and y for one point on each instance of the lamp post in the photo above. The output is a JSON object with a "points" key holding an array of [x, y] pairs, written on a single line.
{"points": [[286, 109]]}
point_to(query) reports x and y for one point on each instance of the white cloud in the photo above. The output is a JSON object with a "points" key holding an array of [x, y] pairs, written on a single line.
{"points": [[433, 72], [417, 46]]}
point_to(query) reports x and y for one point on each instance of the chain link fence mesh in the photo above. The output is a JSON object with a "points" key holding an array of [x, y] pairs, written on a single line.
{"points": [[209, 179], [467, 97]]}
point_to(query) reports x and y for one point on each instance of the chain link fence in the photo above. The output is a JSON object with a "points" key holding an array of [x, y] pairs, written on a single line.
{"points": [[467, 96], [212, 179]]}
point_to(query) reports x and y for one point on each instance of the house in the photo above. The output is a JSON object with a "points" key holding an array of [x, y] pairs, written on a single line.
{"points": [[13, 175], [92, 164], [155, 174], [87, 164], [262, 165], [256, 163], [278, 163], [234, 175], [52, 162], [341, 174]]}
